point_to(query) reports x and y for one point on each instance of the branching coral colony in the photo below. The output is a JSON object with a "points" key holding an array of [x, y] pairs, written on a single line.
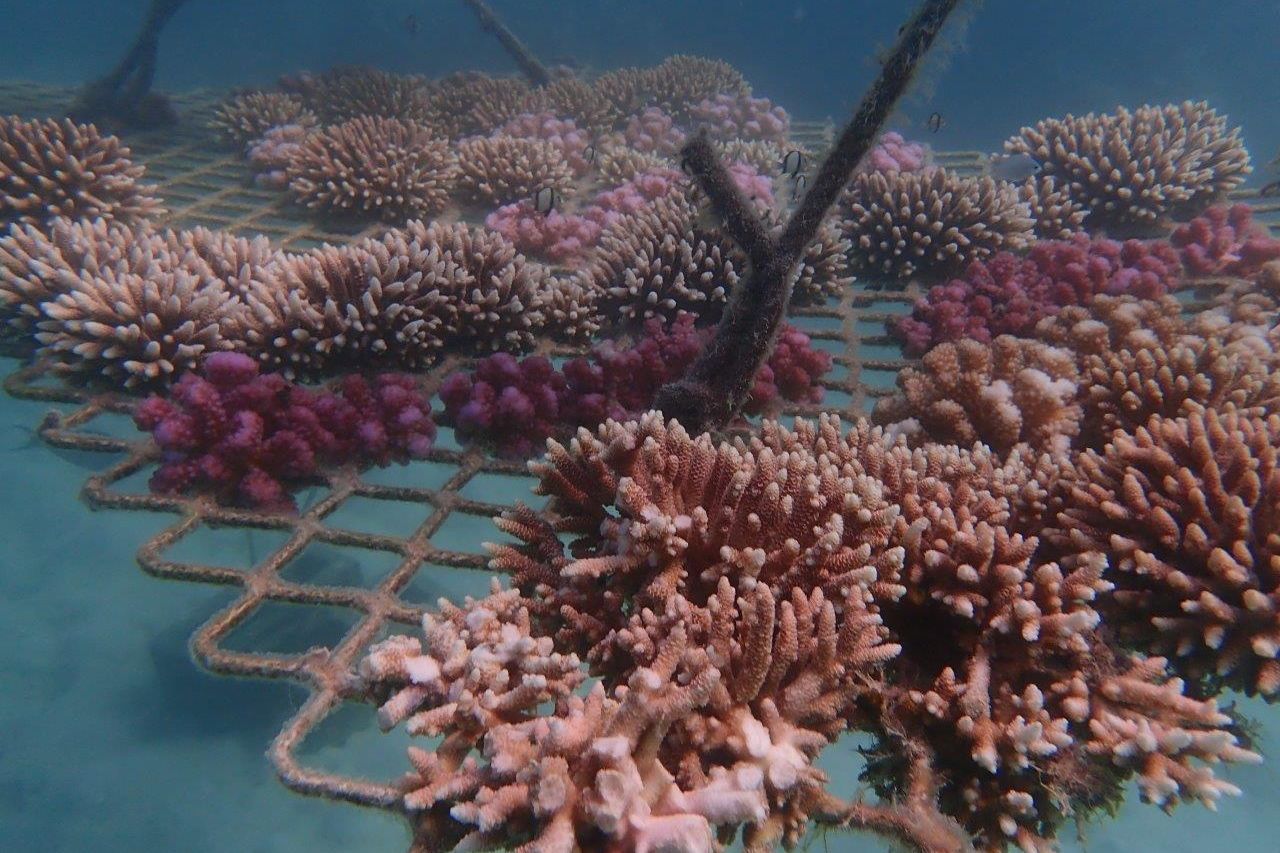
{"points": [[1024, 582]]}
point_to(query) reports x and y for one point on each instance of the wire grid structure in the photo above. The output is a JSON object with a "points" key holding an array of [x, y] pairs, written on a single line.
{"points": [[204, 186]]}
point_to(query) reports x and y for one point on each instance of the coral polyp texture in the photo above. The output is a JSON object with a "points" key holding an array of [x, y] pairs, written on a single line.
{"points": [[349, 92], [108, 301], [1056, 215], [1010, 392], [247, 438], [506, 169], [680, 82], [580, 102], [465, 104], [931, 223], [762, 598], [269, 155], [658, 262], [1189, 510], [742, 117], [247, 118], [57, 168], [381, 167], [1133, 167]]}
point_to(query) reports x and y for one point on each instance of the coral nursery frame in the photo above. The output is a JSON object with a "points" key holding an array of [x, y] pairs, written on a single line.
{"points": [[202, 185]]}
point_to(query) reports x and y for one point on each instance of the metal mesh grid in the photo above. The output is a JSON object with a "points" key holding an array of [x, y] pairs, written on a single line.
{"points": [[432, 500]]}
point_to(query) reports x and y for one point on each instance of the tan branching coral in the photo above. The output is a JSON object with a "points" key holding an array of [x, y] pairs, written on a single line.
{"points": [[578, 100], [247, 118], [122, 305], [682, 81], [930, 223], [618, 163], [469, 103], [503, 169], [660, 263], [570, 309], [1140, 358], [1188, 509], [765, 157], [383, 167], [1010, 392], [51, 169], [492, 294], [1133, 167], [824, 267], [352, 92], [1056, 215]]}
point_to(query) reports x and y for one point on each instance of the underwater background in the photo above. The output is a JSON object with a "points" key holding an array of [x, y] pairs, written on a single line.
{"points": [[113, 739]]}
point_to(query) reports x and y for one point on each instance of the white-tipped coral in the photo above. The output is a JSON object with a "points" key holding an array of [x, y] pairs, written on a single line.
{"points": [[383, 167], [930, 223], [247, 118], [503, 169], [51, 169], [1135, 166]]}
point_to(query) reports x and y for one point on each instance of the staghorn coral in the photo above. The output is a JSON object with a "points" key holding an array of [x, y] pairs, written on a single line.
{"points": [[1009, 294], [658, 262], [507, 169], [1011, 392], [742, 117], [580, 101], [245, 119], [824, 267], [105, 301], [563, 133], [492, 295], [618, 164], [764, 157], [384, 167], [1134, 167], [930, 223], [1187, 508], [681, 82], [246, 437], [351, 92], [1055, 214], [51, 169], [1225, 241], [468, 103], [1139, 358]]}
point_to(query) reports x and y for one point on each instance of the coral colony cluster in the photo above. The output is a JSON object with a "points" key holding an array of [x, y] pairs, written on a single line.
{"points": [[1025, 581]]}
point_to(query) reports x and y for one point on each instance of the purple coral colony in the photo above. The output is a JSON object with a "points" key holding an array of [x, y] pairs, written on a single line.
{"points": [[1025, 580]]}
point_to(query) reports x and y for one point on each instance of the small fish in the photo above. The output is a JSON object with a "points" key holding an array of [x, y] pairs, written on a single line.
{"points": [[935, 122], [589, 154], [686, 167], [410, 25], [792, 163], [1271, 189], [1014, 168], [798, 185], [566, 62], [545, 200]]}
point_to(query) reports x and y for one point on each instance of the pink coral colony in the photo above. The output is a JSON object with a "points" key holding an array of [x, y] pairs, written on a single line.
{"points": [[249, 438]]}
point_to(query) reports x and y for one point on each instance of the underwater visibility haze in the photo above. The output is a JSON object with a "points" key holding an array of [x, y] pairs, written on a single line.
{"points": [[604, 426]]}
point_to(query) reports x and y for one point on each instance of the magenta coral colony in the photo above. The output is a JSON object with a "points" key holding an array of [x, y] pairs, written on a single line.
{"points": [[1025, 573]]}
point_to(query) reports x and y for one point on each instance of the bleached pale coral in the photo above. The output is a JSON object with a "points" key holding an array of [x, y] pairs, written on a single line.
{"points": [[51, 169], [350, 92], [383, 167], [1008, 392], [824, 267]]}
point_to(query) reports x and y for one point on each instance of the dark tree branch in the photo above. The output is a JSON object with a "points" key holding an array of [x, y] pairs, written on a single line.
{"points": [[719, 382], [534, 70], [123, 96]]}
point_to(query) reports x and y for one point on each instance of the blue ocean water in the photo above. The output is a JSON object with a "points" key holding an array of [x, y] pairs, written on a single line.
{"points": [[112, 739]]}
